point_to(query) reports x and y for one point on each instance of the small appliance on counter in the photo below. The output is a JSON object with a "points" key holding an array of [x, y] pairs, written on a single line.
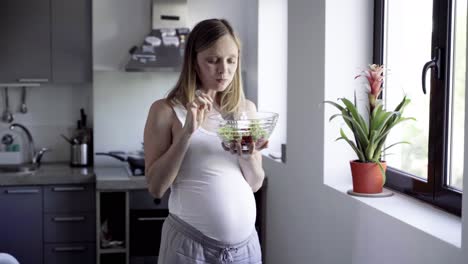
{"points": [[10, 150], [79, 155], [81, 143], [17, 147]]}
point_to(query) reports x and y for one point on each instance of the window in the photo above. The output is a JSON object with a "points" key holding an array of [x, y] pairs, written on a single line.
{"points": [[410, 36]]}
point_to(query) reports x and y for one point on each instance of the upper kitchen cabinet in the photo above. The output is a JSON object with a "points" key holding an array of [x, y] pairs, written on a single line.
{"points": [[45, 41], [71, 41], [25, 46]]}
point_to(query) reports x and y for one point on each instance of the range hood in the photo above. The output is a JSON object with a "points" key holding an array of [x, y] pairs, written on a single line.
{"points": [[163, 48]]}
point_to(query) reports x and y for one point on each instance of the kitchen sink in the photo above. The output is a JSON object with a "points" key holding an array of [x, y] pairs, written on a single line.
{"points": [[19, 169]]}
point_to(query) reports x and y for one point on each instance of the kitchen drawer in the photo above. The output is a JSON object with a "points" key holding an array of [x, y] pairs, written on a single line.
{"points": [[71, 227], [145, 231], [76, 253], [142, 199], [69, 198]]}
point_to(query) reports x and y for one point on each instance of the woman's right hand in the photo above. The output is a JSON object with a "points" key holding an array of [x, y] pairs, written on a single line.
{"points": [[196, 111]]}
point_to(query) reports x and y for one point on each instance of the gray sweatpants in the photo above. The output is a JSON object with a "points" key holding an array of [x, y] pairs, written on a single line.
{"points": [[183, 244]]}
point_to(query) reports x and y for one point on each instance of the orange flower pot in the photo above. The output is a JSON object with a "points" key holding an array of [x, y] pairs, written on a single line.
{"points": [[367, 177]]}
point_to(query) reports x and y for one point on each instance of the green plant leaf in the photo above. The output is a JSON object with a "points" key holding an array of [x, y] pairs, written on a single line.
{"points": [[358, 152], [382, 121], [358, 127], [401, 106], [333, 117], [383, 172], [388, 128], [371, 147], [341, 108], [355, 114], [346, 113], [398, 143], [377, 110], [358, 132], [378, 149]]}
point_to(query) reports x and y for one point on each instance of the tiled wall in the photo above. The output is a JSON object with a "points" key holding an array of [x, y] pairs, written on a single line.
{"points": [[52, 110]]}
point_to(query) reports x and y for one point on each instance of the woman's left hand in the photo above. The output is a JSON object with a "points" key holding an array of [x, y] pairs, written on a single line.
{"points": [[253, 147]]}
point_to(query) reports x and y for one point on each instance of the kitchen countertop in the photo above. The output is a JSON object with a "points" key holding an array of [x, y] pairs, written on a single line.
{"points": [[106, 178], [50, 173], [117, 178]]}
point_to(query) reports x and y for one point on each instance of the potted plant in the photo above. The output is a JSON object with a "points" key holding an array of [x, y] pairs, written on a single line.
{"points": [[368, 171]]}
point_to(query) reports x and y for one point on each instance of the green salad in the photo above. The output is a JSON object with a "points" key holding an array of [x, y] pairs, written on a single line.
{"points": [[253, 133]]}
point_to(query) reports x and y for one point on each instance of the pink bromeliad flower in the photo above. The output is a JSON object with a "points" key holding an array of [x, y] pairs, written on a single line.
{"points": [[374, 75]]}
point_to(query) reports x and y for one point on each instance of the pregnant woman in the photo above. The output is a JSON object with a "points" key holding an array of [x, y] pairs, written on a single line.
{"points": [[211, 206]]}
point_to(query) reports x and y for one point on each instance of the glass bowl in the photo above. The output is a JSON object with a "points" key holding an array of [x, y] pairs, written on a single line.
{"points": [[245, 127]]}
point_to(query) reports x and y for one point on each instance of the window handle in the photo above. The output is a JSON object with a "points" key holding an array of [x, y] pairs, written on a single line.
{"points": [[434, 63]]}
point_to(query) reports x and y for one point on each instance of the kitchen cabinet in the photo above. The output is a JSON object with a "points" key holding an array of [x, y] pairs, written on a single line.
{"points": [[112, 220], [25, 46], [134, 218], [45, 41], [69, 224], [147, 216], [21, 223], [71, 41], [49, 224]]}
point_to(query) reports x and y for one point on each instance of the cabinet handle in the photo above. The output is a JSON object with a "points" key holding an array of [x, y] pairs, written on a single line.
{"points": [[23, 191], [151, 218], [17, 84], [68, 249], [69, 219], [33, 80], [68, 189]]}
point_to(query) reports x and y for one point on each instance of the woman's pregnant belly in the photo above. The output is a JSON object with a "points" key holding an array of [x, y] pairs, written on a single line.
{"points": [[221, 206]]}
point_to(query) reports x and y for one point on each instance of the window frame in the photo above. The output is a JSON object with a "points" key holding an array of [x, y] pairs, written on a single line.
{"points": [[433, 191]]}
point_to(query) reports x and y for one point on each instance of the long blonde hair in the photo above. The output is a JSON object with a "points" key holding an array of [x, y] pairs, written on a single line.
{"points": [[203, 36]]}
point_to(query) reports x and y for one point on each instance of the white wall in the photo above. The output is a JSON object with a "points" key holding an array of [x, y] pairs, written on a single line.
{"points": [[272, 65], [122, 99], [345, 21], [308, 222], [121, 104], [52, 110]]}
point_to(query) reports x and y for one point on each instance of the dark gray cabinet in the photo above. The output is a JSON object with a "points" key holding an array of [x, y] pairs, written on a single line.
{"points": [[69, 254], [147, 216], [45, 41], [21, 223], [69, 198], [25, 45], [71, 41], [69, 224], [49, 224]]}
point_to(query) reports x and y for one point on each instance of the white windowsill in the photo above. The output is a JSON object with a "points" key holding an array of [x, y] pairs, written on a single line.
{"points": [[425, 217]]}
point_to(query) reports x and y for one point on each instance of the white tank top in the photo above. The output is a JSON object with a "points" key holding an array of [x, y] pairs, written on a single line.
{"points": [[210, 192]]}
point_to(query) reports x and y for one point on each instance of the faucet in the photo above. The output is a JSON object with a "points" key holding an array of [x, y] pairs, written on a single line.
{"points": [[35, 156]]}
